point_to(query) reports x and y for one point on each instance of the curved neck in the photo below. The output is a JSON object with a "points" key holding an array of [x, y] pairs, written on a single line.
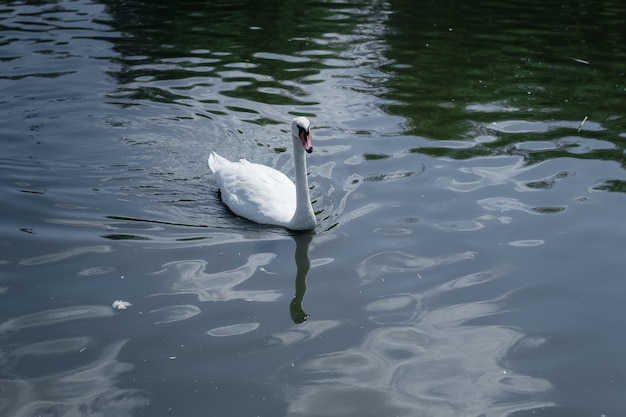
{"points": [[303, 200]]}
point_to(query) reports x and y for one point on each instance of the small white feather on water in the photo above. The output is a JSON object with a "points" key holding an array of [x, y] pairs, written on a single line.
{"points": [[121, 305]]}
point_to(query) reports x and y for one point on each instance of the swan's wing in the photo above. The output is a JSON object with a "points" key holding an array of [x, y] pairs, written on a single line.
{"points": [[256, 192]]}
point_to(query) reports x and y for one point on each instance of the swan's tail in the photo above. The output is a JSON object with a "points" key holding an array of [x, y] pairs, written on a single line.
{"points": [[215, 161]]}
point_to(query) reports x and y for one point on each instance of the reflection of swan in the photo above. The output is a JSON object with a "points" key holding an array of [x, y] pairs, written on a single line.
{"points": [[265, 195], [303, 263]]}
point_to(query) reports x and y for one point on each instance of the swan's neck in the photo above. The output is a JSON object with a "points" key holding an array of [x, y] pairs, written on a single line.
{"points": [[304, 215]]}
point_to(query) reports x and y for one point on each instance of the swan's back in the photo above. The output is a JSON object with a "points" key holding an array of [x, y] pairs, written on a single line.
{"points": [[256, 192]]}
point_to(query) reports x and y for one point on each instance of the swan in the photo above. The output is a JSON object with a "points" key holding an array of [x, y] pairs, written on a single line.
{"points": [[265, 195]]}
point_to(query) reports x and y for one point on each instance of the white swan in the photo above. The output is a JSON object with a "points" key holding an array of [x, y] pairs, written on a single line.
{"points": [[265, 195]]}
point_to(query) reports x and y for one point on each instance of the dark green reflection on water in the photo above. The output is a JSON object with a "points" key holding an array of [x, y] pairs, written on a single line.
{"points": [[261, 53], [459, 67], [450, 70], [612, 185]]}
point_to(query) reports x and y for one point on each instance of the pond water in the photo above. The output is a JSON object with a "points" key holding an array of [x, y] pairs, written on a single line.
{"points": [[468, 180]]}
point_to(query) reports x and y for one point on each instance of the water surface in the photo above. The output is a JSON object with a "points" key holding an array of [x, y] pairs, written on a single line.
{"points": [[468, 179]]}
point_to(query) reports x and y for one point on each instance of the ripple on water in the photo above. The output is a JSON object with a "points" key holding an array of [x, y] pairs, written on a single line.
{"points": [[535, 146], [504, 204], [527, 243], [191, 278], [580, 145], [172, 314], [233, 329], [93, 385], [460, 225], [54, 346], [524, 126], [394, 262], [431, 360], [48, 317], [59, 256], [397, 309], [313, 329], [96, 270], [392, 231]]}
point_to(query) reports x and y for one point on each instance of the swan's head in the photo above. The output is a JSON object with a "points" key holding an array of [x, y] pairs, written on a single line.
{"points": [[301, 129]]}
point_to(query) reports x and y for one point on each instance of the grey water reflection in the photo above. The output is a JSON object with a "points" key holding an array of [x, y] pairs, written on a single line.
{"points": [[175, 313], [423, 361], [60, 256], [191, 277], [89, 388], [48, 317]]}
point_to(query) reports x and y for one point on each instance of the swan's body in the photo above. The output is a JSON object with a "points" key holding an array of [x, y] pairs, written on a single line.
{"points": [[265, 195]]}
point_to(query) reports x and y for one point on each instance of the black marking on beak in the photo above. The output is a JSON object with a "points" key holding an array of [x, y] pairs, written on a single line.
{"points": [[305, 138]]}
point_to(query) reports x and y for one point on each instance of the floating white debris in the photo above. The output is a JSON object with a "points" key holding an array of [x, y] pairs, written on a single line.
{"points": [[580, 126], [121, 305]]}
